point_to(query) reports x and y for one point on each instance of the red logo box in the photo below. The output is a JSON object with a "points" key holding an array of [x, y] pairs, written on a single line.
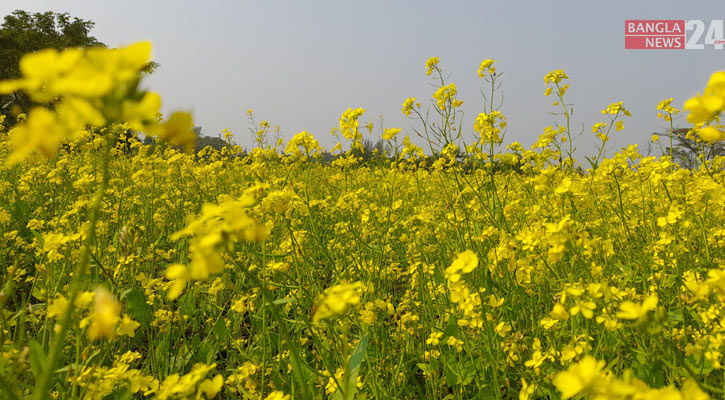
{"points": [[654, 34]]}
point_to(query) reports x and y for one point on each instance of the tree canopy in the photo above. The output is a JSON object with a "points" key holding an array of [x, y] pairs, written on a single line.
{"points": [[23, 32]]}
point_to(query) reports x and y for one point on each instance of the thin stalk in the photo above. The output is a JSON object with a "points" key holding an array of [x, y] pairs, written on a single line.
{"points": [[41, 386]]}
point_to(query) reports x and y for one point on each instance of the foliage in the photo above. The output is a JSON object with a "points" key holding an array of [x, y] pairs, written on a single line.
{"points": [[23, 32], [687, 150]]}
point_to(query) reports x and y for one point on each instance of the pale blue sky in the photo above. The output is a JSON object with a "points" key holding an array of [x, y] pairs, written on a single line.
{"points": [[300, 64]]}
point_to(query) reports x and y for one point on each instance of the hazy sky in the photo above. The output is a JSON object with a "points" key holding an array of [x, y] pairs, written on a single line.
{"points": [[300, 64]]}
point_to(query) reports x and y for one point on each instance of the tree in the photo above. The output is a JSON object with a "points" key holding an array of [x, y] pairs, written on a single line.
{"points": [[23, 33], [686, 150]]}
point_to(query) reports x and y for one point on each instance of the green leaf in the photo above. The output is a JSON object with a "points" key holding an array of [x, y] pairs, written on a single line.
{"points": [[676, 316], [283, 301], [657, 373], [300, 375], [435, 365], [349, 383], [137, 308], [38, 359], [220, 329], [187, 305], [451, 329], [206, 353], [424, 367], [452, 378], [162, 350]]}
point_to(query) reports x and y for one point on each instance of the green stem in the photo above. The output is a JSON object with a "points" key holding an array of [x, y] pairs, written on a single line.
{"points": [[42, 384]]}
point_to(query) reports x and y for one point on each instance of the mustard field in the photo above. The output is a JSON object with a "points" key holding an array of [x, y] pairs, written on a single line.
{"points": [[434, 267]]}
